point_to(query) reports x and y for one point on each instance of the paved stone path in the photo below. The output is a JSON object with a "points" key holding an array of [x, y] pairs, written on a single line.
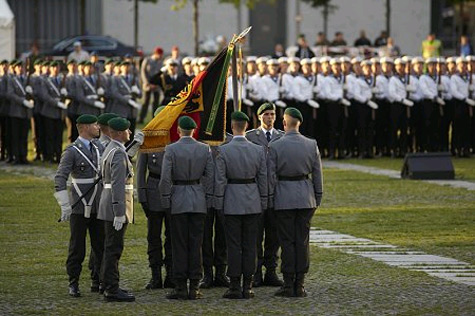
{"points": [[441, 267], [396, 174]]}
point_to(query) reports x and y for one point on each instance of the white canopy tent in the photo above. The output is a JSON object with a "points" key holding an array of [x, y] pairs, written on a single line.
{"points": [[7, 31]]}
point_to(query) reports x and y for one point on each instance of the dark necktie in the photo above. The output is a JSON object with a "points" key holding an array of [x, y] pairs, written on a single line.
{"points": [[91, 148], [268, 136]]}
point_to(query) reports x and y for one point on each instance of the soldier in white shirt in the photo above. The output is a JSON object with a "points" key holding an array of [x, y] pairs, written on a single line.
{"points": [[414, 69], [350, 88], [382, 115]]}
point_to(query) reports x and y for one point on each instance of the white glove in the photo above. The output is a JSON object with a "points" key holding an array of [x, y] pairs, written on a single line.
{"points": [[470, 102], [137, 142], [29, 89], [135, 90], [439, 101], [100, 91], [92, 97], [99, 105], [61, 105], [254, 95], [316, 89], [407, 102], [247, 102], [133, 104], [28, 104], [63, 200], [410, 88], [372, 105], [282, 90], [441, 88], [345, 102], [346, 87], [64, 92], [375, 90], [471, 88], [119, 222], [280, 104], [139, 137], [314, 104]]}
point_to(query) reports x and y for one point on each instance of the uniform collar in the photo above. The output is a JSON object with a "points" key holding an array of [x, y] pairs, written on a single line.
{"points": [[84, 141], [119, 144], [272, 130]]}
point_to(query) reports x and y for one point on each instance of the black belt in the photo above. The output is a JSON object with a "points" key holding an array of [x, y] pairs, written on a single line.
{"points": [[295, 178], [154, 175], [186, 182], [241, 181]]}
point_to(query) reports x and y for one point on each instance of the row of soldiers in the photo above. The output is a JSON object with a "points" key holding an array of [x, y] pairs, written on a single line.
{"points": [[256, 193], [362, 108]]}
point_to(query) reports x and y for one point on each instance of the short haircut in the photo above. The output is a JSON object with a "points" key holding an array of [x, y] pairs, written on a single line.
{"points": [[291, 121], [240, 126], [186, 132]]}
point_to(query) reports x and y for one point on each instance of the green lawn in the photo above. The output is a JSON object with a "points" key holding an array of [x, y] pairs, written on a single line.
{"points": [[421, 216]]}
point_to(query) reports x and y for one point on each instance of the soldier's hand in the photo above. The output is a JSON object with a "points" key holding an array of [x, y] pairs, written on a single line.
{"points": [[65, 213], [28, 104], [92, 97], [100, 91], [29, 89], [119, 222], [64, 92], [145, 208], [99, 105], [61, 105], [133, 104], [135, 90]]}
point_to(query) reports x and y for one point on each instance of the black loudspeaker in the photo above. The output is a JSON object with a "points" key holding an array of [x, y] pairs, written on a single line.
{"points": [[425, 166]]}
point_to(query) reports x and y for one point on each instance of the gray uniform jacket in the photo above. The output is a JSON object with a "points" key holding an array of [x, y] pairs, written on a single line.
{"points": [[84, 88], [149, 168], [71, 82], [295, 155], [237, 161], [258, 136], [187, 160], [78, 161], [4, 104], [104, 140], [121, 94], [50, 94], [117, 177], [36, 83], [16, 94]]}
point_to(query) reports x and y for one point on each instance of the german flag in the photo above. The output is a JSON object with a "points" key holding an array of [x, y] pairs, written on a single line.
{"points": [[204, 100]]}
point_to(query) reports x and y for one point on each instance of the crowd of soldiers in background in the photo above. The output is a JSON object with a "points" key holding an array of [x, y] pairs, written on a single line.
{"points": [[357, 107]]}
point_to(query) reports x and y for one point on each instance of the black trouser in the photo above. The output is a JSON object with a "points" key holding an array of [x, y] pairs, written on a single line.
{"points": [[398, 123], [462, 126], [267, 255], [19, 140], [365, 129], [39, 134], [351, 139], [144, 110], [294, 235], [77, 244], [382, 127], [187, 240], [155, 223], [113, 247], [214, 256], [3, 137], [336, 125], [446, 144], [54, 138], [429, 125], [74, 131], [321, 127], [241, 236]]}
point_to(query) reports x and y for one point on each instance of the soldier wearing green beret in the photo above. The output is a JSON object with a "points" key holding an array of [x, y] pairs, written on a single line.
{"points": [[103, 121], [267, 240], [241, 194], [149, 166], [116, 206], [87, 93], [81, 161], [186, 188], [70, 85], [295, 189]]}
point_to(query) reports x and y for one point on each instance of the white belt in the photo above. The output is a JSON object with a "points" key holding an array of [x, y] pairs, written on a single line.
{"points": [[127, 186], [83, 180]]}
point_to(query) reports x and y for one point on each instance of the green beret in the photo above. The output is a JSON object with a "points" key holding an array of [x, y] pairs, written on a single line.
{"points": [[125, 63], [45, 63], [86, 119], [117, 63], [72, 61], [239, 116], [109, 61], [294, 113], [104, 118], [186, 123], [264, 107], [81, 63], [38, 62], [15, 62], [119, 124], [4, 62], [54, 64], [158, 110], [87, 63]]}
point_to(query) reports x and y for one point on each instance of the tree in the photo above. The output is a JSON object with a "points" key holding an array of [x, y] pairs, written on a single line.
{"points": [[327, 10]]}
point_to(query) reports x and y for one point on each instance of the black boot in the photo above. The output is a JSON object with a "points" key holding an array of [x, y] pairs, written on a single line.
{"points": [[247, 291], [156, 280], [234, 292], [207, 281], [258, 277], [179, 292], [299, 288], [287, 290], [271, 278], [194, 292], [220, 279], [74, 289], [169, 283], [119, 296]]}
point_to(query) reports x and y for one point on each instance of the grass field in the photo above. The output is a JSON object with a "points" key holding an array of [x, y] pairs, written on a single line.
{"points": [[438, 220]]}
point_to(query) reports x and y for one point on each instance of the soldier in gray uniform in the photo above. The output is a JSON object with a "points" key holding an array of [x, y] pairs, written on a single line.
{"points": [[81, 160], [241, 193], [149, 198], [36, 80], [267, 255], [53, 111], [116, 207], [150, 67], [86, 92], [103, 121], [4, 109], [20, 112], [70, 85], [295, 189], [186, 187]]}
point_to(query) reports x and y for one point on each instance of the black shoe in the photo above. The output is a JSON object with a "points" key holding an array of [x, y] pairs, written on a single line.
{"points": [[221, 280], [247, 291], [271, 279], [156, 280], [119, 296], [177, 294], [95, 286], [233, 294], [74, 290], [207, 281], [194, 293], [168, 283], [285, 291], [300, 291], [258, 279]]}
